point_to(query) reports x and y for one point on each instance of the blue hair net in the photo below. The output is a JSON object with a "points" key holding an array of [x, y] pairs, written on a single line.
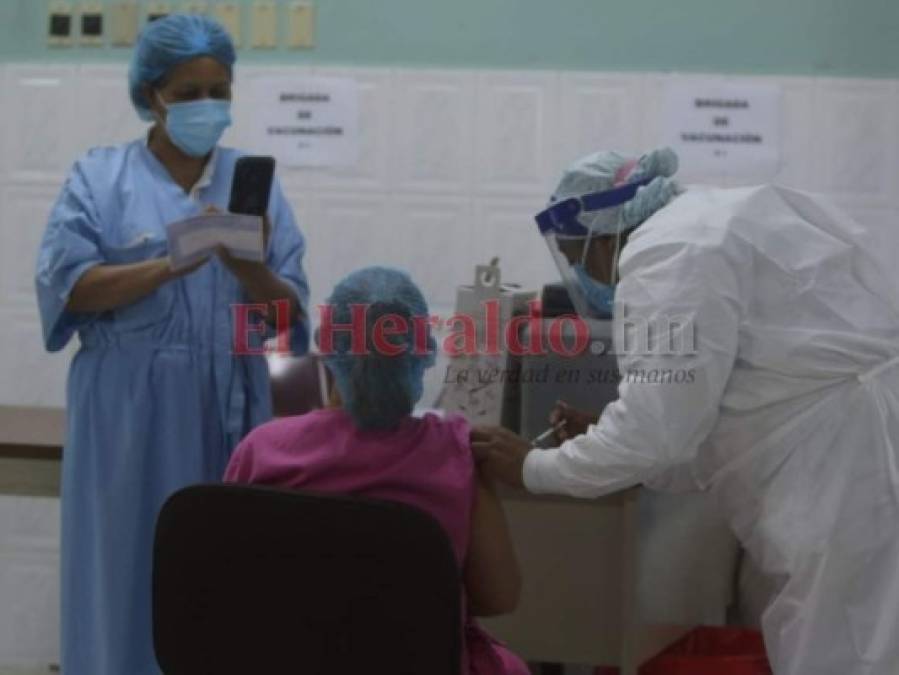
{"points": [[379, 390], [167, 42], [603, 171]]}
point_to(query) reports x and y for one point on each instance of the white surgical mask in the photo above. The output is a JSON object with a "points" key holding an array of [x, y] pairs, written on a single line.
{"points": [[195, 127]]}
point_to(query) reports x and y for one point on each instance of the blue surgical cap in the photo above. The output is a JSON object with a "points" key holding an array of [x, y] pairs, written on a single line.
{"points": [[379, 390], [603, 171], [172, 40]]}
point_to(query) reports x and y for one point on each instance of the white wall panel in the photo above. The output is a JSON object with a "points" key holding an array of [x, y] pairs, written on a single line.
{"points": [[5, 104], [29, 581], [598, 112], [425, 237], [29, 376], [506, 228], [433, 239], [515, 123], [801, 146], [343, 233], [103, 107], [857, 131], [647, 108], [26, 208], [371, 172], [38, 121], [433, 114]]}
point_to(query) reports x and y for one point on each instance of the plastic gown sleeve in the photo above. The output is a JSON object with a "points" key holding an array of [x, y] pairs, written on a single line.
{"points": [[668, 403], [285, 258], [71, 245]]}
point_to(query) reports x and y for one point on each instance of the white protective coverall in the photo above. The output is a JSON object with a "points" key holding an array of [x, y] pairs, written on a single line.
{"points": [[788, 408]]}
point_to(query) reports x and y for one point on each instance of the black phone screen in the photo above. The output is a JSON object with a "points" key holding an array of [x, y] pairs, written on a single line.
{"points": [[251, 185]]}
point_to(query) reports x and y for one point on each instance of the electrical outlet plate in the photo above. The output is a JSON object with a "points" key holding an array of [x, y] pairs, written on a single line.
{"points": [[60, 24], [123, 23], [157, 10], [301, 25], [196, 7], [264, 25], [91, 21], [228, 14]]}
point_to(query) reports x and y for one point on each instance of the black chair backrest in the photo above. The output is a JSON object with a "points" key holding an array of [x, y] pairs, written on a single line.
{"points": [[254, 580]]}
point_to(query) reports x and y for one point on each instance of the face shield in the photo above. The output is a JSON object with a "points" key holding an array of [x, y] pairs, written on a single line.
{"points": [[577, 250]]}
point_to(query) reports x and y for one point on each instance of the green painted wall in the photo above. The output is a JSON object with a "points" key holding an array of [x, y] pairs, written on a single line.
{"points": [[824, 37]]}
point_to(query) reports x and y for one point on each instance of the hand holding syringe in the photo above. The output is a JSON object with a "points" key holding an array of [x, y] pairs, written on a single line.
{"points": [[566, 423], [537, 442]]}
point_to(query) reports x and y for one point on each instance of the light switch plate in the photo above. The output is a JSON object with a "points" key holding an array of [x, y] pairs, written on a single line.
{"points": [[264, 25], [228, 14], [301, 25], [60, 24], [91, 23], [156, 10], [123, 24]]}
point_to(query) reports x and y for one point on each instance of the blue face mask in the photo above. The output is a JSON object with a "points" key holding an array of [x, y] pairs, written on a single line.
{"points": [[195, 127], [600, 297]]}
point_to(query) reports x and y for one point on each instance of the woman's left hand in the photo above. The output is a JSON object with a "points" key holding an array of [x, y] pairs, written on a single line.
{"points": [[260, 282], [242, 269], [238, 265], [500, 454]]}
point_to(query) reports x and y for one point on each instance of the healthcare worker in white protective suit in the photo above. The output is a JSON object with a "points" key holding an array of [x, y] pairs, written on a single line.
{"points": [[786, 402]]}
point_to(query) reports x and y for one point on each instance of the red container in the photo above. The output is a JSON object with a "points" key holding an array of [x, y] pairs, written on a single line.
{"points": [[712, 651]]}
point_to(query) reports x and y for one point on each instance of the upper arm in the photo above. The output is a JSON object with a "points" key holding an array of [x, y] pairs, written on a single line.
{"points": [[70, 246], [492, 576], [238, 469], [687, 304], [676, 328]]}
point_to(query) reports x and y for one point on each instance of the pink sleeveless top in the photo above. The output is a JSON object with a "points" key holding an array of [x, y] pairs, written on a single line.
{"points": [[425, 462]]}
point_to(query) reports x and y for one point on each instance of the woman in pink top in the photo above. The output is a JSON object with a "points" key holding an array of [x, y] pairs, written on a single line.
{"points": [[368, 443]]}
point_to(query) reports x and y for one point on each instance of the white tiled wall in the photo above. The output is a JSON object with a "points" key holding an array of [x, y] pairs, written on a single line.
{"points": [[453, 166]]}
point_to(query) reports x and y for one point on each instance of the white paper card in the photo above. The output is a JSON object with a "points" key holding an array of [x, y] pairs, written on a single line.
{"points": [[721, 129], [195, 238], [306, 121]]}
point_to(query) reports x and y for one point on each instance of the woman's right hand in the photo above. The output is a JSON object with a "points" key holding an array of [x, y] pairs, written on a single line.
{"points": [[106, 287], [570, 422]]}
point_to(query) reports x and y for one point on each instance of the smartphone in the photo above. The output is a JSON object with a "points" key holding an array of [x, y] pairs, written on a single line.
{"points": [[251, 185]]}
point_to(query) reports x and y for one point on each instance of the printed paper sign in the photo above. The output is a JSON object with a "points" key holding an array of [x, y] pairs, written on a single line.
{"points": [[720, 129], [306, 121]]}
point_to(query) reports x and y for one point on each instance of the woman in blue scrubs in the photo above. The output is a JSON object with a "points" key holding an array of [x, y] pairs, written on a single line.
{"points": [[156, 397]]}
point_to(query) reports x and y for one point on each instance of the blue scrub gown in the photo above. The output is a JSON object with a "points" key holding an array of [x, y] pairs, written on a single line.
{"points": [[156, 399]]}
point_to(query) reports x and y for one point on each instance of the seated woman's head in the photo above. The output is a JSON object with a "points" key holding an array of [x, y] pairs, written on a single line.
{"points": [[379, 365]]}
